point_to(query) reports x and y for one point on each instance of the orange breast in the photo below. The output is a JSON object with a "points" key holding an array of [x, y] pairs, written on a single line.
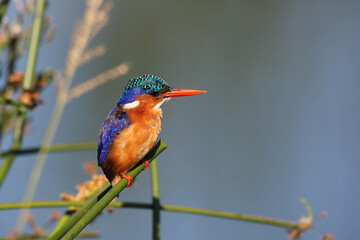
{"points": [[134, 142]]}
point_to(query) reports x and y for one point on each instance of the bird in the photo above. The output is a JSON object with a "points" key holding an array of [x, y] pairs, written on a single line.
{"points": [[132, 127]]}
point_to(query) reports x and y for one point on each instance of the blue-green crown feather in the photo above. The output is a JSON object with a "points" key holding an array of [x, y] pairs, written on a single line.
{"points": [[146, 84]]}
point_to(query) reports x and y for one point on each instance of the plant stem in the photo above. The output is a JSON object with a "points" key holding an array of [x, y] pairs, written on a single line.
{"points": [[54, 148], [79, 42], [97, 203], [34, 44], [3, 7], [155, 189], [64, 219], [308, 207], [28, 83], [109, 196], [60, 230], [11, 102], [5, 118], [163, 207], [99, 206], [72, 204], [18, 133], [230, 215], [43, 236]]}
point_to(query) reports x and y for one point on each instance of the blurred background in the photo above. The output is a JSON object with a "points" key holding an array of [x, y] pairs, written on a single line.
{"points": [[280, 119]]}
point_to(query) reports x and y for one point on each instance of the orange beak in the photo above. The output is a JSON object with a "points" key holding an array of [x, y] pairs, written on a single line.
{"points": [[182, 92]]}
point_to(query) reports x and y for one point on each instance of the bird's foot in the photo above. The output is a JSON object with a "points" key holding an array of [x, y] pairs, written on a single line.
{"points": [[146, 163], [128, 178]]}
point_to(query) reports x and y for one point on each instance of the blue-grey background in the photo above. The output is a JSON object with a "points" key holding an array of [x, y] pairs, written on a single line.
{"points": [[280, 120]]}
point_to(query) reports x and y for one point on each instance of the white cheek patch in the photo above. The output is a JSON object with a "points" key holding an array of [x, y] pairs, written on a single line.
{"points": [[157, 106], [131, 105]]}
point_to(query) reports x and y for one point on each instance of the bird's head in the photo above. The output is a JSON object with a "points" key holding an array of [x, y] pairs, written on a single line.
{"points": [[150, 88]]}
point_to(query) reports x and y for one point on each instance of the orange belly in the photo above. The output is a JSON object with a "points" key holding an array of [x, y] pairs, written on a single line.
{"points": [[131, 146]]}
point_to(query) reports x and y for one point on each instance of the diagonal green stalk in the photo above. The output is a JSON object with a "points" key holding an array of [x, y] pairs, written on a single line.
{"points": [[63, 226], [155, 190], [103, 202], [64, 219], [54, 148], [44, 235], [96, 204], [18, 134]]}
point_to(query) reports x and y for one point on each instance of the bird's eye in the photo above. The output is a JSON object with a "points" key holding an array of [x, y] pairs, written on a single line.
{"points": [[155, 94], [166, 89]]}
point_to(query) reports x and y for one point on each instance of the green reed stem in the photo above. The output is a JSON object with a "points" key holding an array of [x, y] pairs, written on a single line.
{"points": [[64, 219], [72, 204], [34, 44], [11, 102], [163, 207], [54, 148], [27, 83], [80, 41], [3, 7], [308, 207], [60, 230], [96, 204], [5, 118], [155, 189], [18, 133], [230, 215], [43, 236]]}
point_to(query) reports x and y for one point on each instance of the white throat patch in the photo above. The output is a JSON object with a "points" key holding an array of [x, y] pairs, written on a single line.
{"points": [[131, 105], [157, 106]]}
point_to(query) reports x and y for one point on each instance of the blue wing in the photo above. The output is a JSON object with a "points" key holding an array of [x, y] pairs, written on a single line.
{"points": [[115, 122]]}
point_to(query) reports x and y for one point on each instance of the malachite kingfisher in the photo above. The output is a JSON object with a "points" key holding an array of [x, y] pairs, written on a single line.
{"points": [[133, 125]]}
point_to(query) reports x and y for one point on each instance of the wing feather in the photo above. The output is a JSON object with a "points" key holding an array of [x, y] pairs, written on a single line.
{"points": [[115, 122]]}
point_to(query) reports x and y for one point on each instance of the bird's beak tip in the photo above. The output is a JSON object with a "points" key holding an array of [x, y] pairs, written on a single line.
{"points": [[182, 92]]}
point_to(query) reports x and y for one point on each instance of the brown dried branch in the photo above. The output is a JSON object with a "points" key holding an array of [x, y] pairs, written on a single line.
{"points": [[98, 80], [92, 53]]}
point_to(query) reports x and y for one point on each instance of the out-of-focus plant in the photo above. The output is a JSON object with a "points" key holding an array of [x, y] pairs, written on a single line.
{"points": [[94, 19], [15, 99]]}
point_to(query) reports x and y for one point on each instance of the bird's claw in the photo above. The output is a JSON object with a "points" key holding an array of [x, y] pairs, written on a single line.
{"points": [[128, 178], [146, 163]]}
